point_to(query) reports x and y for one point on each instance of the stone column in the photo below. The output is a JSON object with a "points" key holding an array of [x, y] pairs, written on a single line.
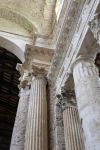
{"points": [[73, 132], [18, 135], [36, 130], [87, 87], [60, 141]]}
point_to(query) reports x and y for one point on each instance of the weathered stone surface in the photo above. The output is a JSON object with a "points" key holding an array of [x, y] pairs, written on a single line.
{"points": [[18, 135], [87, 87], [60, 142], [36, 129], [72, 129]]}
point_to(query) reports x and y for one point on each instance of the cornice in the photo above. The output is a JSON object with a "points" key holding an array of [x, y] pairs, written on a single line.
{"points": [[66, 53], [63, 30], [38, 57]]}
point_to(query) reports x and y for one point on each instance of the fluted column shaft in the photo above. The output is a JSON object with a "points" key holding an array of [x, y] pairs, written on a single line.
{"points": [[18, 135], [87, 87], [36, 130], [72, 129]]}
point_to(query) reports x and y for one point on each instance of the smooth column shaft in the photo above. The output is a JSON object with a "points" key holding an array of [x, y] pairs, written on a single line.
{"points": [[18, 135], [36, 131], [87, 88], [72, 129]]}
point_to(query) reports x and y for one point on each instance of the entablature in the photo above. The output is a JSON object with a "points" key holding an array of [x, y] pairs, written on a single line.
{"points": [[66, 54]]}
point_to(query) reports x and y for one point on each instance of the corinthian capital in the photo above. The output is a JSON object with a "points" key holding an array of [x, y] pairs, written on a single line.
{"points": [[38, 71], [25, 79], [95, 27], [66, 99]]}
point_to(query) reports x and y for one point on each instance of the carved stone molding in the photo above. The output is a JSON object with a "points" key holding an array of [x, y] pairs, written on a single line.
{"points": [[17, 18], [40, 57], [26, 77], [95, 27], [38, 71], [62, 35]]}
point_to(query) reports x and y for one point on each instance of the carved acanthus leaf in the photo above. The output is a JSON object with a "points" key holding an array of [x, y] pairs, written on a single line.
{"points": [[38, 70], [95, 27], [25, 79], [66, 99]]}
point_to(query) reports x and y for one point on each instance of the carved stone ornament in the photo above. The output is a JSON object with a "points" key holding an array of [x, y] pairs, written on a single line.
{"points": [[95, 27], [66, 99], [36, 71], [26, 77], [25, 80]]}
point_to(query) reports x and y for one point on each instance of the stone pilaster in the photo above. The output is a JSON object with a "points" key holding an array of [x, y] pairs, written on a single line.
{"points": [[73, 132], [87, 88], [60, 141], [36, 130], [18, 135]]}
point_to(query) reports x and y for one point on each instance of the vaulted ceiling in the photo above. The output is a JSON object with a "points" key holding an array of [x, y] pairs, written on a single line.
{"points": [[30, 14]]}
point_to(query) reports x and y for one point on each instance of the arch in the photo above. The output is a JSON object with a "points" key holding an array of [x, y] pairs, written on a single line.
{"points": [[18, 19], [12, 47]]}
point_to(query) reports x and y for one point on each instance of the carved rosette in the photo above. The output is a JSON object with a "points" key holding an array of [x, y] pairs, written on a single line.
{"points": [[95, 27]]}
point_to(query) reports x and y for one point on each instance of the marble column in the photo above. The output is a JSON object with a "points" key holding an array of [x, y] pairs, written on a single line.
{"points": [[18, 135], [87, 88], [60, 141], [73, 132], [36, 130]]}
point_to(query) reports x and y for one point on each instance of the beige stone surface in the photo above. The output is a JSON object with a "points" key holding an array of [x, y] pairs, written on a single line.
{"points": [[29, 13], [72, 129], [36, 129], [18, 135], [87, 87]]}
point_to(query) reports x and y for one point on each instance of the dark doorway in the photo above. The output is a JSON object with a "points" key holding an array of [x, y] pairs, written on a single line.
{"points": [[8, 96]]}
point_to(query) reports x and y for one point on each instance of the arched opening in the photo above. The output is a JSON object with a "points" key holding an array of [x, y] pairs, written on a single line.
{"points": [[12, 46], [8, 95]]}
